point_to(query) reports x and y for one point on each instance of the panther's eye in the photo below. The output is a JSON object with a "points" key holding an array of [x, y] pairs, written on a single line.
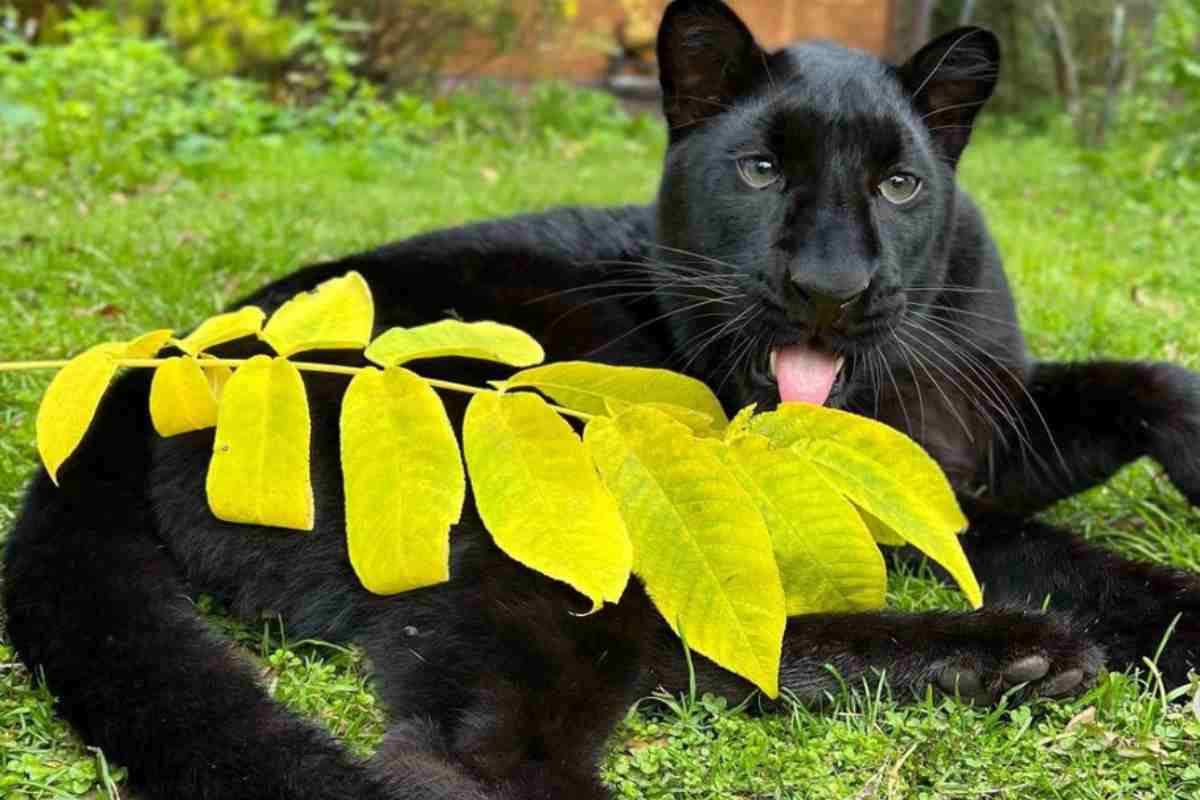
{"points": [[900, 188], [758, 172]]}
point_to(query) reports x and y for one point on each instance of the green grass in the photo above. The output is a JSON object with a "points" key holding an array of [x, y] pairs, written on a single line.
{"points": [[1098, 268]]}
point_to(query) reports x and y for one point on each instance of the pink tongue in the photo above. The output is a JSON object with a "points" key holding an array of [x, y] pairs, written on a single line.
{"points": [[804, 374]]}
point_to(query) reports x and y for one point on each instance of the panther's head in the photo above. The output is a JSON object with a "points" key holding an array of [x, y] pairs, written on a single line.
{"points": [[808, 199]]}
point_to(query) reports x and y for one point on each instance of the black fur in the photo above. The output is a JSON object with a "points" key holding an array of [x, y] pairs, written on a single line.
{"points": [[497, 691]]}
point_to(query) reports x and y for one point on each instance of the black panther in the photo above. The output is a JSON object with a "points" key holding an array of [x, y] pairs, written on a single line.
{"points": [[808, 243]]}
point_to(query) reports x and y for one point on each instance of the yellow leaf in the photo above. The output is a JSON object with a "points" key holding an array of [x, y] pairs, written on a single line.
{"points": [[337, 315], [904, 501], [70, 403], [259, 469], [879, 531], [539, 495], [148, 344], [700, 424], [403, 478], [223, 328], [827, 559], [217, 378], [181, 398], [593, 388], [740, 424], [490, 341], [699, 543], [883, 472]]}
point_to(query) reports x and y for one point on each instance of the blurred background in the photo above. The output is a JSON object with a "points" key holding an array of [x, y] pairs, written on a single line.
{"points": [[1124, 68]]}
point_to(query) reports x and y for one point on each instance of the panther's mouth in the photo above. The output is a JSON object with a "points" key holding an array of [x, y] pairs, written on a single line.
{"points": [[807, 373]]}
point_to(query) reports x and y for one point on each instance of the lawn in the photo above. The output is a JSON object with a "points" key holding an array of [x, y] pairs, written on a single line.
{"points": [[1100, 266]]}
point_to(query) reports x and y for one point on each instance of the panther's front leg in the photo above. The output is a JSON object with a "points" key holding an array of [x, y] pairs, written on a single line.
{"points": [[1084, 422], [979, 656], [1127, 607], [1080, 423]]}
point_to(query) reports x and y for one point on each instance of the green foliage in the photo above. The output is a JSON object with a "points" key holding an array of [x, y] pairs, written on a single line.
{"points": [[411, 41], [1032, 78], [97, 105], [866, 745], [220, 37], [1138, 82], [322, 45], [25, 772], [1157, 136], [1167, 102], [113, 109]]}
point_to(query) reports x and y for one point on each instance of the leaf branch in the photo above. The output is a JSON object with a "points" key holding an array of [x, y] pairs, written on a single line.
{"points": [[303, 366]]}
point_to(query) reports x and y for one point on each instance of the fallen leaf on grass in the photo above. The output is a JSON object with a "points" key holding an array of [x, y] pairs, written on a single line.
{"points": [[164, 184], [1151, 748], [1172, 352], [1085, 717], [641, 744], [572, 150], [23, 241], [103, 310], [1155, 302]]}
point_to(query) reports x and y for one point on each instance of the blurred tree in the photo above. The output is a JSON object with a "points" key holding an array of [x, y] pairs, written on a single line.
{"points": [[1165, 105], [922, 24], [634, 40], [410, 40], [1058, 54], [393, 41]]}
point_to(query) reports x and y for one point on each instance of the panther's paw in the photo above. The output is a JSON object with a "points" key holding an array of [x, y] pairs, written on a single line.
{"points": [[1061, 666]]}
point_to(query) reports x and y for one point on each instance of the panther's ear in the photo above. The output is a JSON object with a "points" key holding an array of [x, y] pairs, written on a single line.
{"points": [[707, 58], [949, 80]]}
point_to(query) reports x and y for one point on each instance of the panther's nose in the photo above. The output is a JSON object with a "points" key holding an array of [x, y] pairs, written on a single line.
{"points": [[829, 303]]}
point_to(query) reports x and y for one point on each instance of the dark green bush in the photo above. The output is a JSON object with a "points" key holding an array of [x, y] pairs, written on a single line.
{"points": [[112, 109], [1165, 108], [102, 107], [393, 42]]}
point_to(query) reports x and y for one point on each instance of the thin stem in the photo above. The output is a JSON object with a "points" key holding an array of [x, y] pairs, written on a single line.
{"points": [[16, 366], [303, 366]]}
